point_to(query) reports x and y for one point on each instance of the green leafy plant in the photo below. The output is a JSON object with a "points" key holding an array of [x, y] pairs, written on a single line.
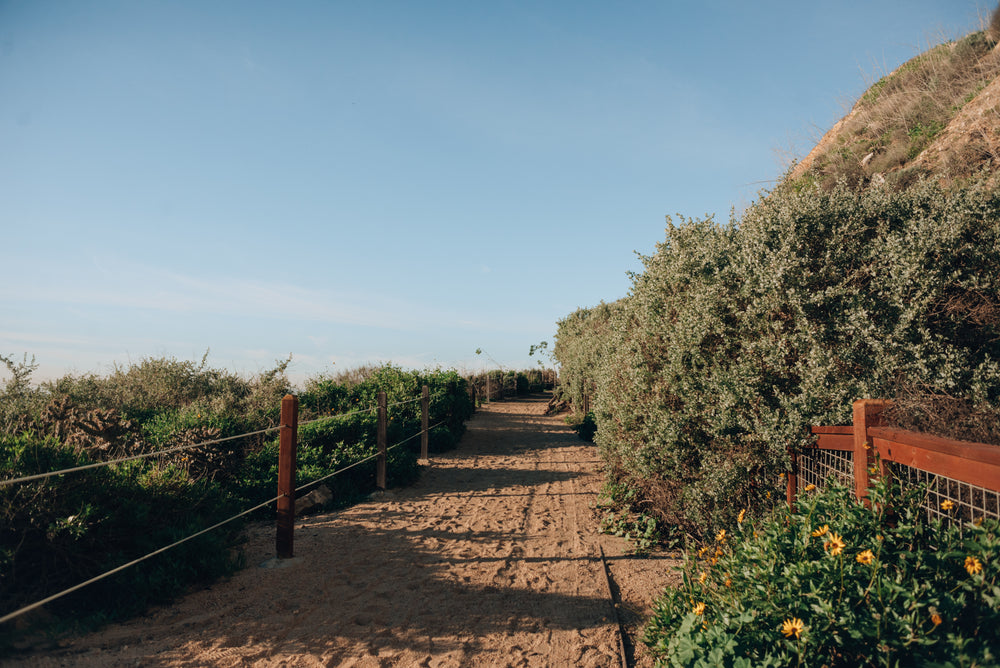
{"points": [[584, 427], [836, 583], [640, 529]]}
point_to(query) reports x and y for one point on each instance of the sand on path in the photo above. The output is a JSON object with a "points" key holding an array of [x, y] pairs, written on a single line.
{"points": [[491, 559]]}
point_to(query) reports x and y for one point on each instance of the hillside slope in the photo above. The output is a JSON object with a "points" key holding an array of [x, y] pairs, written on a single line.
{"points": [[937, 115]]}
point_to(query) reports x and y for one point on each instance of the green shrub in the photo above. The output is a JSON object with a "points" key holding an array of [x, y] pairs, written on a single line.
{"points": [[59, 531], [62, 530], [836, 584], [736, 338], [586, 427]]}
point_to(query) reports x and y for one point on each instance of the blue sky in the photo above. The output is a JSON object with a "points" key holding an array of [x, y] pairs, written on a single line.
{"points": [[359, 182]]}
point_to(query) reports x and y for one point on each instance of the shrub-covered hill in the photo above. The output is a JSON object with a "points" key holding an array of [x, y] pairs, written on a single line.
{"points": [[835, 286]]}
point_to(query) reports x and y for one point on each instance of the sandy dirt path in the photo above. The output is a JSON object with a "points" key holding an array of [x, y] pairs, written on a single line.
{"points": [[491, 559]]}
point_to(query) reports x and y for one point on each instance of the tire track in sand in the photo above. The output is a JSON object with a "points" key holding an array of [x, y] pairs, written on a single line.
{"points": [[491, 559]]}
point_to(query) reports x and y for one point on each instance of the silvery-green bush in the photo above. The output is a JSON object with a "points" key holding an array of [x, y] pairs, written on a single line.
{"points": [[736, 337]]}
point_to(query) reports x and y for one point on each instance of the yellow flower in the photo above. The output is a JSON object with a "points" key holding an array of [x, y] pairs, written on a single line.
{"points": [[781, 476], [713, 561], [728, 582], [767, 496], [792, 627], [936, 618], [721, 536], [699, 608], [978, 521], [702, 551], [702, 577], [821, 531], [973, 565], [810, 487], [743, 514], [947, 504], [865, 557], [718, 552], [835, 545]]}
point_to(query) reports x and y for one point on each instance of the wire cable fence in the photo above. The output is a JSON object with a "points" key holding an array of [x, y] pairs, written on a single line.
{"points": [[192, 446], [339, 416], [118, 569], [288, 427], [367, 459], [145, 455]]}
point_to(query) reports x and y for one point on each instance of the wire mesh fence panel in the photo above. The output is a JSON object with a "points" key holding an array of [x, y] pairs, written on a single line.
{"points": [[948, 499], [816, 466]]}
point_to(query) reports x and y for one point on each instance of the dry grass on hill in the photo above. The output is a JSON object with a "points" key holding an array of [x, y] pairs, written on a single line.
{"points": [[936, 115]]}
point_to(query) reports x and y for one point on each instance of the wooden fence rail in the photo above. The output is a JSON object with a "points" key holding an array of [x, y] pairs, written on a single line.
{"points": [[868, 448]]}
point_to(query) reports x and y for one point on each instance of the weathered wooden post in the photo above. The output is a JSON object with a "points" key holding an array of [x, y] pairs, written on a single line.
{"points": [[425, 406], [287, 442], [793, 480], [867, 413], [382, 432]]}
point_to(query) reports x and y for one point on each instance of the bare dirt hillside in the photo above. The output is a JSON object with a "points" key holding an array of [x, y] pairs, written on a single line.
{"points": [[492, 559]]}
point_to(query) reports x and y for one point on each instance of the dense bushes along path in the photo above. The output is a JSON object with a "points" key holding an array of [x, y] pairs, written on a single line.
{"points": [[491, 559]]}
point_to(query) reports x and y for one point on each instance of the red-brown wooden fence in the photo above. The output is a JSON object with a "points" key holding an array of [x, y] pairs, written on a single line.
{"points": [[965, 473]]}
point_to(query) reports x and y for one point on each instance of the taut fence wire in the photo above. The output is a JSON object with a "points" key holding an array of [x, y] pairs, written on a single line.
{"points": [[145, 455]]}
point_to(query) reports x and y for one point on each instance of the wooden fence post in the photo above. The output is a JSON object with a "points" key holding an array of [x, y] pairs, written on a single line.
{"points": [[867, 414], [488, 397], [288, 439], [382, 438], [425, 406], [793, 480]]}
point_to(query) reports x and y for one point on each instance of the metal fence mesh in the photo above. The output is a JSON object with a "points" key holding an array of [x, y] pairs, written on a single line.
{"points": [[969, 503], [817, 466]]}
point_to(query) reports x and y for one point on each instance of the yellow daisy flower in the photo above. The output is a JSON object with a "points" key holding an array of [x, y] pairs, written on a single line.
{"points": [[835, 545], [743, 514], [947, 505], [699, 608], [936, 619], [821, 531], [865, 557], [792, 627], [810, 487], [973, 565], [721, 536], [702, 577]]}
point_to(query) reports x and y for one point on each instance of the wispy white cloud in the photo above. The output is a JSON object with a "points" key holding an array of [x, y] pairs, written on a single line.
{"points": [[158, 290]]}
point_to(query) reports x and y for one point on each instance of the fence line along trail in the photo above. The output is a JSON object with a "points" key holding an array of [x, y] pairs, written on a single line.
{"points": [[491, 559]]}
